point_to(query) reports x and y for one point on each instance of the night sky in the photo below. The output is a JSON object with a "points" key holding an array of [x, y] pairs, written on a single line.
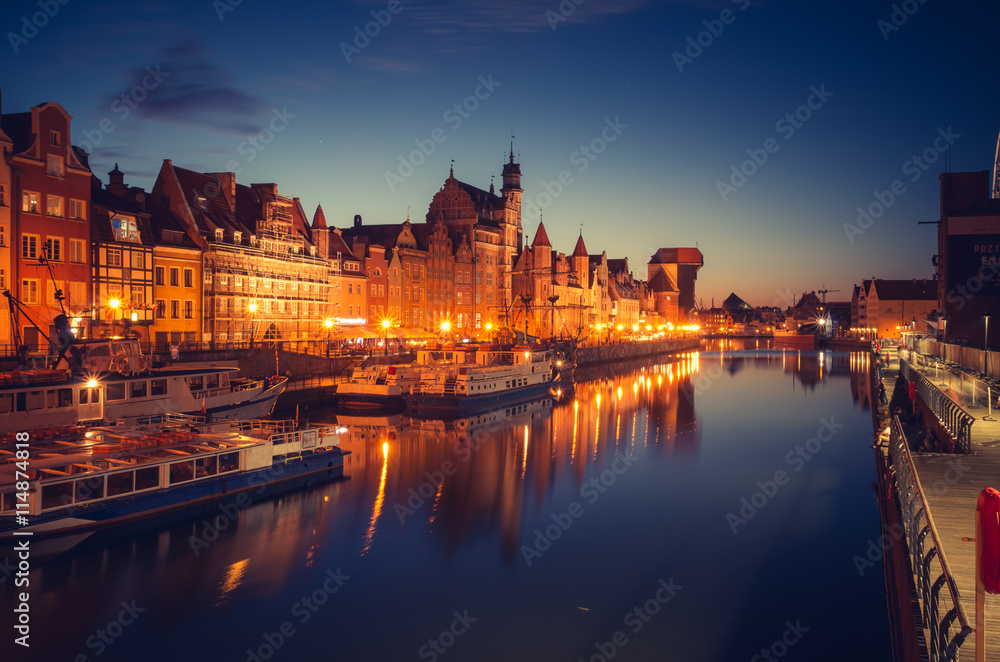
{"points": [[642, 125]]}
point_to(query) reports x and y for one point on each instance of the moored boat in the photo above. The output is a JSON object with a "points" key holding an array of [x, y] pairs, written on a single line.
{"points": [[482, 377], [111, 476], [379, 386]]}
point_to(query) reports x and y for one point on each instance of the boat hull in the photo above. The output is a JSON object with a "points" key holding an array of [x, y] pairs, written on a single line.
{"points": [[472, 403], [184, 500]]}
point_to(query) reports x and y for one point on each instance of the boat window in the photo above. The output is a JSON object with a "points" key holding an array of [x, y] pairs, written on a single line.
{"points": [[29, 400], [211, 381], [120, 483], [6, 403], [88, 489], [139, 389], [65, 397], [147, 478], [196, 383], [206, 466], [57, 496], [229, 462], [158, 387], [116, 391], [51, 401], [181, 472]]}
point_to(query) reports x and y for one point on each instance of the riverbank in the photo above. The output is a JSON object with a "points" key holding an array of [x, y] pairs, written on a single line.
{"points": [[587, 356]]}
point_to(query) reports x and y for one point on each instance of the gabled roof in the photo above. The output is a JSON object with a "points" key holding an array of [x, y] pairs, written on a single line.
{"points": [[581, 249], [905, 290], [661, 283]]}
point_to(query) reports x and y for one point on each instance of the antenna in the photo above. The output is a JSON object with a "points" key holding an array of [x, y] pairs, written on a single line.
{"points": [[996, 169]]}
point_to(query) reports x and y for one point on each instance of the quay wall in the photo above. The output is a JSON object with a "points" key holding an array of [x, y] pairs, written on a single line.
{"points": [[628, 351]]}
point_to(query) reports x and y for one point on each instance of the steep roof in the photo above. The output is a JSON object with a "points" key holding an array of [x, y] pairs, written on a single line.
{"points": [[541, 238], [734, 302], [661, 283], [581, 249], [319, 218]]}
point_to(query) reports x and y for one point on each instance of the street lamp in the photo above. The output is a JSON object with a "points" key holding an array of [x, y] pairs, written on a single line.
{"points": [[114, 304], [328, 323], [386, 323], [445, 328], [986, 331]]}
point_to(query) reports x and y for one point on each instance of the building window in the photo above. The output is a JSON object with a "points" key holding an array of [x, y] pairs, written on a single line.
{"points": [[29, 246], [54, 205], [29, 202], [114, 257], [174, 276], [78, 294], [29, 291], [161, 309], [3, 196], [76, 210], [218, 234], [237, 237], [54, 139], [125, 229], [77, 248], [175, 309], [138, 296], [189, 310], [54, 166], [138, 260], [3, 235], [189, 278], [159, 275], [56, 288], [53, 249]]}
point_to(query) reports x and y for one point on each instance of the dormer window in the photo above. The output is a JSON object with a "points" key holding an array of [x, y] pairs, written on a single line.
{"points": [[218, 231], [237, 237], [312, 251]]}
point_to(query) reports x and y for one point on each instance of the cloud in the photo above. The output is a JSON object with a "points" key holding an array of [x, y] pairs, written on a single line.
{"points": [[192, 91], [521, 16]]}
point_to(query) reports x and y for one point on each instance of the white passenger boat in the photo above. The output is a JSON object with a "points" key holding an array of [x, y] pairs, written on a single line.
{"points": [[116, 475], [379, 386], [469, 378], [107, 380]]}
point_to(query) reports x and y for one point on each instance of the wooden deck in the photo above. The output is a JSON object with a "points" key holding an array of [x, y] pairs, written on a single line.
{"points": [[951, 486]]}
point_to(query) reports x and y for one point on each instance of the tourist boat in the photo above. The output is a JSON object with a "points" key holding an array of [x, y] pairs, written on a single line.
{"points": [[379, 386], [469, 378], [115, 475], [107, 380]]}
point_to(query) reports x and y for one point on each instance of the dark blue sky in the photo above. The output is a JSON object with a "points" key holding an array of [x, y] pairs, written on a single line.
{"points": [[678, 130]]}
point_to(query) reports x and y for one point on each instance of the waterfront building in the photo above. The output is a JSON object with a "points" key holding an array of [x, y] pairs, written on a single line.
{"points": [[177, 281], [968, 259], [262, 276], [50, 272], [671, 276], [893, 307], [122, 259], [549, 297]]}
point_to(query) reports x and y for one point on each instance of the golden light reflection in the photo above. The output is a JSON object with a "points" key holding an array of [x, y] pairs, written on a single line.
{"points": [[231, 581], [379, 500], [524, 463]]}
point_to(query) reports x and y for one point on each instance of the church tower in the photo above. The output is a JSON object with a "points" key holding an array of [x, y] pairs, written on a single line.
{"points": [[511, 192]]}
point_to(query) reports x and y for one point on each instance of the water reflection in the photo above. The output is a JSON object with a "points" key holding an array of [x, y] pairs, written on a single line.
{"points": [[466, 476], [432, 516]]}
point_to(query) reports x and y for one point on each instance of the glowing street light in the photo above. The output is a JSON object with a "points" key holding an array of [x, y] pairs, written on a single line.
{"points": [[328, 323], [114, 304], [386, 323], [253, 319]]}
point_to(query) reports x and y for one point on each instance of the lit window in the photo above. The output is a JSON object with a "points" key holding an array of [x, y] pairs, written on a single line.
{"points": [[114, 257], [125, 228], [76, 210], [53, 249], [29, 202], [76, 251], [29, 291]]}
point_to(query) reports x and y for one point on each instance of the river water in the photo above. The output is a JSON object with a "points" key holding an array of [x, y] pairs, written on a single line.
{"points": [[703, 507]]}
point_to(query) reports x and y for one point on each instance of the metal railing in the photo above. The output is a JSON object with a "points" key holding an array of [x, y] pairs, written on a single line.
{"points": [[952, 416], [944, 617]]}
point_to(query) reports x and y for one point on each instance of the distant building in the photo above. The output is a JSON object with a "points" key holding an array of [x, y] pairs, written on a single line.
{"points": [[740, 311], [895, 306], [671, 275], [968, 258]]}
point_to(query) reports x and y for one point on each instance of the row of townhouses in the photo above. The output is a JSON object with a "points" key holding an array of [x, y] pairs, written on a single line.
{"points": [[203, 259]]}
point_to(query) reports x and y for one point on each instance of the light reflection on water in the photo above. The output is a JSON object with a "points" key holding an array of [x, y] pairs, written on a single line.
{"points": [[434, 517]]}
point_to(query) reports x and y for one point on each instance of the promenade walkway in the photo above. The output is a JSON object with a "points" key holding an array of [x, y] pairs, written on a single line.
{"points": [[951, 483]]}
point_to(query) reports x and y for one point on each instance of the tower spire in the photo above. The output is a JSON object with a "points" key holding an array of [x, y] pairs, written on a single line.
{"points": [[511, 146]]}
